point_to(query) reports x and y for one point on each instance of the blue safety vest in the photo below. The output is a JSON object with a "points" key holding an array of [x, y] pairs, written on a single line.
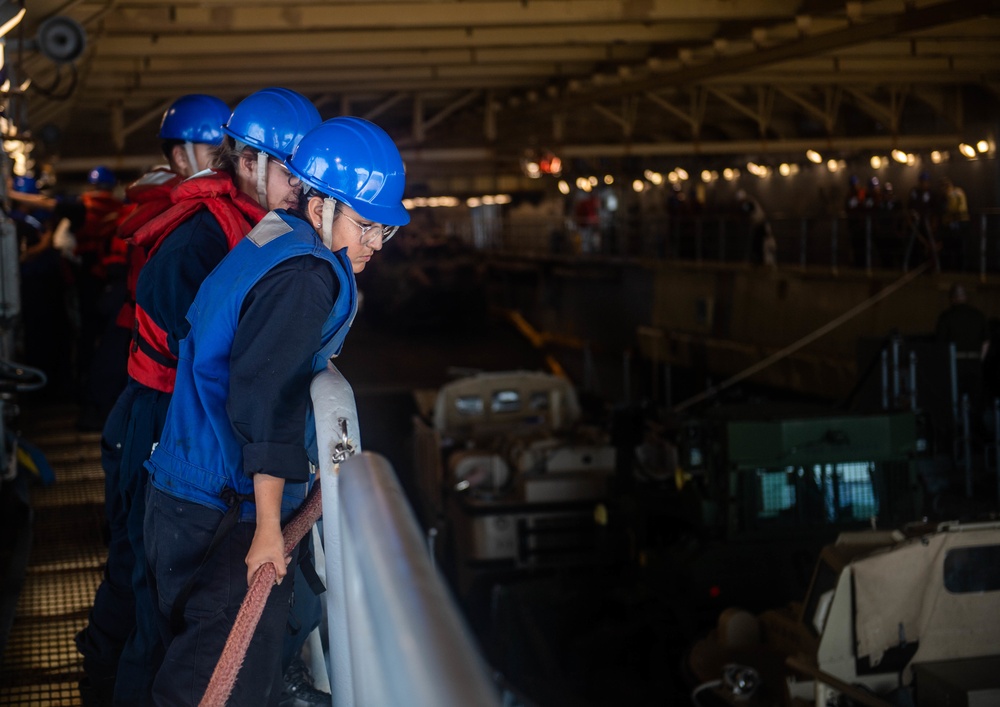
{"points": [[199, 457]]}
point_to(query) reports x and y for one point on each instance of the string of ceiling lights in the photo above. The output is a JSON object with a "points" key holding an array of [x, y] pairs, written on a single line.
{"points": [[982, 148], [548, 164]]}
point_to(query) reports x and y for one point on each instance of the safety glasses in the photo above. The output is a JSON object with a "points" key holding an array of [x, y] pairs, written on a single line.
{"points": [[385, 232]]}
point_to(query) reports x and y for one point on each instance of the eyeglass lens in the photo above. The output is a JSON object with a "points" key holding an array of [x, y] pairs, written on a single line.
{"points": [[386, 232]]}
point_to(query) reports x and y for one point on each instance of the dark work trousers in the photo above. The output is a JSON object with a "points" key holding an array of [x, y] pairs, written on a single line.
{"points": [[106, 376], [178, 534], [306, 611], [112, 615], [143, 650]]}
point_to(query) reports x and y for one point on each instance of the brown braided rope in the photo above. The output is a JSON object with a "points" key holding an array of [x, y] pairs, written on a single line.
{"points": [[224, 676]]}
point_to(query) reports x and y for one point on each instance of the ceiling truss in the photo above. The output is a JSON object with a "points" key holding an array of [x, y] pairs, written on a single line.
{"points": [[479, 81]]}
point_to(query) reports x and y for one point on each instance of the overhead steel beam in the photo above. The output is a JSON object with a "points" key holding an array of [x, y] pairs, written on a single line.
{"points": [[890, 115], [154, 114], [762, 147], [298, 16], [828, 114], [910, 20], [455, 105], [383, 106], [292, 58], [223, 43], [694, 120], [777, 148], [624, 122]]}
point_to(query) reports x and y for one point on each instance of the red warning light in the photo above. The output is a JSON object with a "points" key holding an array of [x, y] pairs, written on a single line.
{"points": [[715, 591]]}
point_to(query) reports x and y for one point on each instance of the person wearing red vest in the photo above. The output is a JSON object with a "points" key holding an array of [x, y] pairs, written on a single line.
{"points": [[211, 213], [168, 205], [190, 128], [94, 239], [99, 271], [234, 457]]}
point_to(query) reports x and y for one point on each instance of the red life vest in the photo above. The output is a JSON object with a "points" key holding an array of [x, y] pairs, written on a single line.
{"points": [[95, 239], [148, 197], [150, 360]]}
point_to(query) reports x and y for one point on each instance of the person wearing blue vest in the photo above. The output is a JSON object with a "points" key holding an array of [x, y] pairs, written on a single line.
{"points": [[190, 128], [235, 456]]}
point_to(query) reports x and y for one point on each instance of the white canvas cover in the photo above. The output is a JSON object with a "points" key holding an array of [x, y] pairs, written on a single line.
{"points": [[900, 596]]}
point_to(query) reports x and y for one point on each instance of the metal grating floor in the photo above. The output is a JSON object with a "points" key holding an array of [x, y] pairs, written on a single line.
{"points": [[41, 666]]}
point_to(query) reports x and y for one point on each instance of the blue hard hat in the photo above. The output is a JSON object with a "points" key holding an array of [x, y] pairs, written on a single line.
{"points": [[195, 117], [101, 175], [25, 185], [355, 162], [272, 120]]}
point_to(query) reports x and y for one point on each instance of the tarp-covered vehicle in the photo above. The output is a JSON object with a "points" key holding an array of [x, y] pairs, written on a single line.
{"points": [[891, 618]]}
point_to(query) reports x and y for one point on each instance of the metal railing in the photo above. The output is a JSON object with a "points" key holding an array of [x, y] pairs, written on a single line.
{"points": [[897, 241], [396, 636]]}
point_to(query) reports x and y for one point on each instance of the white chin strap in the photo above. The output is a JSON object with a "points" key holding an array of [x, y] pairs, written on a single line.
{"points": [[192, 160], [262, 180], [326, 227]]}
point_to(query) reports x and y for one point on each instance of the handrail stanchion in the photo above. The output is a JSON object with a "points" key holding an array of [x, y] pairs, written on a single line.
{"points": [[396, 636], [333, 400]]}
